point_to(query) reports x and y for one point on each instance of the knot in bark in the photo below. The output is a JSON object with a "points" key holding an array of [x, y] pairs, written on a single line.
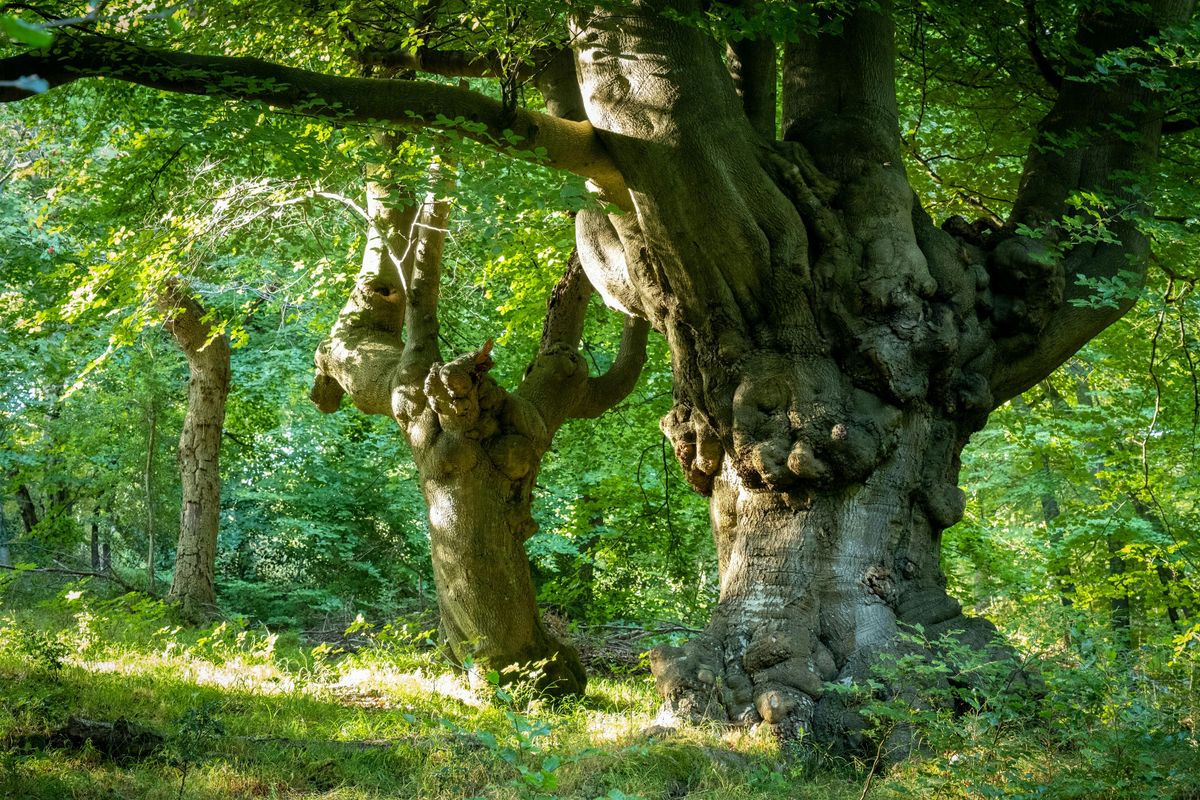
{"points": [[696, 445]]}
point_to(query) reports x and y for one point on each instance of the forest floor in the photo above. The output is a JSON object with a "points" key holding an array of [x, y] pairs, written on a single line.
{"points": [[235, 711]]}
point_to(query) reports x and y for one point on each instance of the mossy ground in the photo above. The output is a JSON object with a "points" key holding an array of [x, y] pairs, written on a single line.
{"points": [[251, 713]]}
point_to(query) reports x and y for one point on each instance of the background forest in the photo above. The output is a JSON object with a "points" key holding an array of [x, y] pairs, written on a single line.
{"points": [[319, 676]]}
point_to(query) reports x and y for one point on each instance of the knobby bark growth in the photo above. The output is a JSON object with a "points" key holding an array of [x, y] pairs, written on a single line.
{"points": [[833, 348], [477, 446], [193, 587]]}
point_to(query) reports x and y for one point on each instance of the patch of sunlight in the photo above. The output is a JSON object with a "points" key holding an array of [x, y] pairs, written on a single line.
{"points": [[413, 682], [609, 728], [262, 678], [238, 674]]}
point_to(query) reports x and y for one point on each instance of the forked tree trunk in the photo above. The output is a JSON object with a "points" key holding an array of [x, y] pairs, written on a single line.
{"points": [[477, 446], [193, 587]]}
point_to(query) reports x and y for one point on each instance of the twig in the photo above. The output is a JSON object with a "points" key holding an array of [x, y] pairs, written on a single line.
{"points": [[108, 576]]}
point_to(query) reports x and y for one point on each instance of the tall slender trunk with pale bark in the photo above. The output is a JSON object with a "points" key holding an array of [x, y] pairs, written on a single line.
{"points": [[193, 586]]}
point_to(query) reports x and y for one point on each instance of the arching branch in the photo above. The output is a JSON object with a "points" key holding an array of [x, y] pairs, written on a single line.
{"points": [[605, 391], [1100, 137], [559, 143]]}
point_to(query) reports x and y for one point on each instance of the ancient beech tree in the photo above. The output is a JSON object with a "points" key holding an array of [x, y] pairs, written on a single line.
{"points": [[833, 348]]}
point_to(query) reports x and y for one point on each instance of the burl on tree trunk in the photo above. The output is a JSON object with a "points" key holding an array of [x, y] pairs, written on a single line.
{"points": [[833, 349], [193, 587], [477, 446]]}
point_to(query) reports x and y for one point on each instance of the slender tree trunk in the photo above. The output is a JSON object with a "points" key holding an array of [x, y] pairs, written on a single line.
{"points": [[194, 584], [1050, 507], [1119, 610], [94, 541], [1050, 512], [5, 555], [148, 484], [1167, 576], [28, 509]]}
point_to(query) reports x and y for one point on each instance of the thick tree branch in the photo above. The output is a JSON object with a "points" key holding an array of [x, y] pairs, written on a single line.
{"points": [[423, 269], [1100, 137], [566, 308], [559, 143], [460, 63], [1044, 67], [605, 391], [1182, 125], [839, 89]]}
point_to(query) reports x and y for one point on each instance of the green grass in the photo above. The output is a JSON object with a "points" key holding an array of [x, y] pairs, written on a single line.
{"points": [[248, 713]]}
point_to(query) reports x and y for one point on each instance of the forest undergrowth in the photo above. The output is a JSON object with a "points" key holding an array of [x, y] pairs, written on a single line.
{"points": [[374, 709]]}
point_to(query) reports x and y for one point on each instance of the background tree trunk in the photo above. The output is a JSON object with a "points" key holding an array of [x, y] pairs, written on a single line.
{"points": [[148, 481], [28, 509], [5, 538], [193, 586]]}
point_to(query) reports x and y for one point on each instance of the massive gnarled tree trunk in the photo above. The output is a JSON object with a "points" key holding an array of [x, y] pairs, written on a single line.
{"points": [[833, 348], [194, 584], [477, 446]]}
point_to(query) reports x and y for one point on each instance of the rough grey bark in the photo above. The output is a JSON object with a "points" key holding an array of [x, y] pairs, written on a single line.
{"points": [[477, 446], [193, 586]]}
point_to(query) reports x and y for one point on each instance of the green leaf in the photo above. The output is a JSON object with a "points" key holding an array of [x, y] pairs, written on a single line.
{"points": [[24, 32]]}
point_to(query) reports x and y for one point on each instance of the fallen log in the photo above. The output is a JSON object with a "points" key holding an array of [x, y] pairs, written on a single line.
{"points": [[120, 740]]}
